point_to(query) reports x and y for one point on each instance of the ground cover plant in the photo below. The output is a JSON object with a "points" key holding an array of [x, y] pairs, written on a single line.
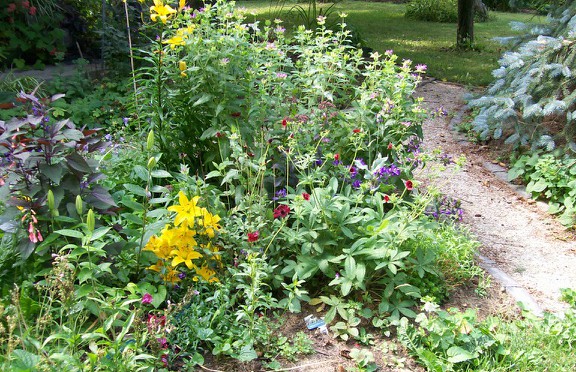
{"points": [[263, 172]]}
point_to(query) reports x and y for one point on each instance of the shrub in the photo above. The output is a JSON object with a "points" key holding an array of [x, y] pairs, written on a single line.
{"points": [[31, 34], [433, 10]]}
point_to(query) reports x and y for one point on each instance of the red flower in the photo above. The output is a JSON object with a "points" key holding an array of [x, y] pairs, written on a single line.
{"points": [[306, 196], [336, 156], [357, 130], [235, 114], [281, 211], [390, 146], [409, 185], [386, 199], [284, 123], [253, 236]]}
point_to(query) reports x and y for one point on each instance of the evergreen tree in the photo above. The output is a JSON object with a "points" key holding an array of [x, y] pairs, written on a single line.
{"points": [[534, 84]]}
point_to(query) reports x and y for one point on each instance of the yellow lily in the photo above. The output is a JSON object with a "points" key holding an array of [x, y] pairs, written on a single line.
{"points": [[161, 11]]}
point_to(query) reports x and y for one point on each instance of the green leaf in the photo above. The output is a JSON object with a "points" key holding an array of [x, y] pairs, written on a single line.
{"points": [[99, 232], [70, 233], [350, 267], [135, 206], [159, 173], [84, 275], [346, 286], [247, 353], [23, 360], [537, 186], [456, 354], [135, 189]]}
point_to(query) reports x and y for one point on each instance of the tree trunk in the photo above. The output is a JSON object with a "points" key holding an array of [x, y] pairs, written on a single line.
{"points": [[465, 34]]}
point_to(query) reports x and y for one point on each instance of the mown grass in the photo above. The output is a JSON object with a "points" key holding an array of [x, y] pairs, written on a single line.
{"points": [[383, 26]]}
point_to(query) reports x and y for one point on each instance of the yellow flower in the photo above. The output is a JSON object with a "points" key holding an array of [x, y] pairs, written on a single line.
{"points": [[185, 255], [160, 11], [175, 41], [159, 245], [171, 276], [210, 223], [182, 66], [187, 211], [167, 273], [181, 4], [207, 274]]}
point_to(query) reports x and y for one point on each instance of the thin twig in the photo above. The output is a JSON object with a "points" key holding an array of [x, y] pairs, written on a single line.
{"points": [[208, 369], [303, 366]]}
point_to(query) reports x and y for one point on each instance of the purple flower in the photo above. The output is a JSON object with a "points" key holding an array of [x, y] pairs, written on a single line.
{"points": [[108, 137], [353, 171], [387, 172], [421, 68], [147, 299], [125, 120], [356, 184], [181, 275], [279, 194]]}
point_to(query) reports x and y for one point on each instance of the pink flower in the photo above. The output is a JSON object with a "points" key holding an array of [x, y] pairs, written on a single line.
{"points": [[409, 185], [32, 10], [11, 8], [147, 299], [390, 146], [253, 236], [26, 4], [306, 196], [281, 211], [163, 342]]}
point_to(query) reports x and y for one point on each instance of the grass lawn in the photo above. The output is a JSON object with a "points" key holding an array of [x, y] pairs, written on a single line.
{"points": [[383, 26]]}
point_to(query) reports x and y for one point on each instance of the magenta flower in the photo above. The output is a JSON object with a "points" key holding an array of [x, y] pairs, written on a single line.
{"points": [[147, 299]]}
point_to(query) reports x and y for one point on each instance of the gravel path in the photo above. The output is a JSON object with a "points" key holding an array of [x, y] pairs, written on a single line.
{"points": [[516, 234]]}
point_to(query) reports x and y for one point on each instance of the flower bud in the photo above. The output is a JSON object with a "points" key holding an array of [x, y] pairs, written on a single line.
{"points": [[79, 205], [90, 222], [151, 162], [50, 200], [150, 141]]}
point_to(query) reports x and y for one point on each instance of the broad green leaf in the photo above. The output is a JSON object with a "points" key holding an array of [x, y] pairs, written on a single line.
{"points": [[135, 189], [99, 232], [159, 173], [456, 354], [70, 233]]}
